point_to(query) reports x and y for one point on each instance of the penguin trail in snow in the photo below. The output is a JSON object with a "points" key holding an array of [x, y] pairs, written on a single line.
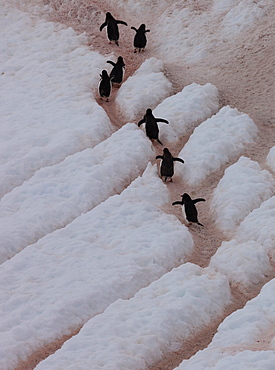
{"points": [[112, 28], [151, 126], [189, 210], [167, 164], [140, 40]]}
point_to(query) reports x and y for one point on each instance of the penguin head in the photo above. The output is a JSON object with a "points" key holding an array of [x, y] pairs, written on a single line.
{"points": [[149, 111], [142, 27], [166, 151], [109, 16], [104, 74], [185, 196], [120, 60]]}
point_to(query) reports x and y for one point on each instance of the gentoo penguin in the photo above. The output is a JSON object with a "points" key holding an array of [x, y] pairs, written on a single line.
{"points": [[112, 28], [167, 164], [189, 210], [117, 72], [151, 126], [105, 86], [140, 40]]}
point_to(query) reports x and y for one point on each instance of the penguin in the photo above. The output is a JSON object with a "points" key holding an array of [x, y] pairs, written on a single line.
{"points": [[167, 164], [140, 40], [189, 210], [151, 126], [112, 28], [117, 73], [105, 86]]}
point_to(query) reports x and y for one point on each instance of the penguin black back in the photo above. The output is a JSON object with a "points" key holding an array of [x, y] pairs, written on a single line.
{"points": [[117, 73], [112, 28], [151, 126], [140, 40], [105, 86], [190, 210], [167, 164]]}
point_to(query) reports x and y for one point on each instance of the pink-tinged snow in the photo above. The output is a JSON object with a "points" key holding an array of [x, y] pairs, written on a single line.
{"points": [[132, 334], [147, 84], [245, 339], [58, 194], [244, 187], [270, 159], [69, 276], [214, 142], [47, 107], [186, 110]]}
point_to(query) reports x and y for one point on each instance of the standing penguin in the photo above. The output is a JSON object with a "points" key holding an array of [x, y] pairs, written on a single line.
{"points": [[112, 28], [117, 73], [151, 126], [189, 210], [105, 86], [140, 40], [167, 164]]}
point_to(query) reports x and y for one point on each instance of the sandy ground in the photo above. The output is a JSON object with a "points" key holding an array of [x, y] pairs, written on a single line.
{"points": [[244, 77]]}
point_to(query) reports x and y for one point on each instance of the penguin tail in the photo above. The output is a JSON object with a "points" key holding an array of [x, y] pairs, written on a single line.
{"points": [[159, 142], [200, 224], [116, 42]]}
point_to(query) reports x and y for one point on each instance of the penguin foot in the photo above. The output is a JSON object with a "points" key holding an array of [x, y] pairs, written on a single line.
{"points": [[135, 50]]}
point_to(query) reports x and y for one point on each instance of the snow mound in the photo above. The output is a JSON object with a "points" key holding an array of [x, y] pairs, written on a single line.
{"points": [[214, 142], [185, 110], [56, 195], [245, 339], [135, 333], [270, 159], [74, 273], [146, 88], [243, 188]]}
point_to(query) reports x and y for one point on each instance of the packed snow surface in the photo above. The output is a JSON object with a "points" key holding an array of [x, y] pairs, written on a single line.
{"points": [[245, 339], [214, 142], [270, 159], [243, 188], [75, 273], [132, 334]]}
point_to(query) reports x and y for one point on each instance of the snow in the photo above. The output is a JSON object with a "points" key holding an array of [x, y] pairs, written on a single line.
{"points": [[186, 110], [270, 159], [148, 83], [133, 334], [51, 112], [56, 195], [110, 252], [243, 188], [245, 339], [227, 133]]}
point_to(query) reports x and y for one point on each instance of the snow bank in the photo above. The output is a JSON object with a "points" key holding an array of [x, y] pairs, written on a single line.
{"points": [[56, 285], [185, 110], [216, 141], [259, 226], [243, 188], [270, 159], [245, 264], [146, 88], [135, 333], [47, 108], [56, 195], [244, 340]]}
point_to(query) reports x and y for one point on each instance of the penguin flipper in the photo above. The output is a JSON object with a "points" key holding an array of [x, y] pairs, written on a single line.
{"points": [[102, 26], [177, 202], [111, 62], [198, 200], [178, 160], [162, 120], [122, 22], [147, 31], [141, 122], [134, 28], [159, 157]]}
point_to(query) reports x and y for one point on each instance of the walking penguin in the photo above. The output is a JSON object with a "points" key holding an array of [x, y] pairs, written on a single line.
{"points": [[189, 210], [117, 73], [105, 86], [112, 28], [140, 40], [167, 164], [151, 126]]}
